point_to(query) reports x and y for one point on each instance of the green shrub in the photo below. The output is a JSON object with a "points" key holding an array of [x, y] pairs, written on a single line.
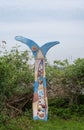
{"points": [[77, 110], [81, 99], [59, 107], [59, 102], [3, 119]]}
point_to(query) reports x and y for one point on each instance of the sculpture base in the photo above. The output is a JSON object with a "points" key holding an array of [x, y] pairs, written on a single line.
{"points": [[40, 105]]}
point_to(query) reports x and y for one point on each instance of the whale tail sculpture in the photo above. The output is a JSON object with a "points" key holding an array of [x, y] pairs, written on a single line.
{"points": [[40, 102]]}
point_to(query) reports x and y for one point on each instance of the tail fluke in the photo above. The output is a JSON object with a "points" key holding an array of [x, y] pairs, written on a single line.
{"points": [[47, 46], [34, 46], [30, 43]]}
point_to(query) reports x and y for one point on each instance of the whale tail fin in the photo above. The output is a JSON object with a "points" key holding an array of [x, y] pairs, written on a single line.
{"points": [[30, 43], [34, 46], [47, 46]]}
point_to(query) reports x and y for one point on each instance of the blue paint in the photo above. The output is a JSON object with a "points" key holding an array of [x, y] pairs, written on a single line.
{"points": [[31, 43], [45, 119], [44, 82], [36, 86], [47, 46]]}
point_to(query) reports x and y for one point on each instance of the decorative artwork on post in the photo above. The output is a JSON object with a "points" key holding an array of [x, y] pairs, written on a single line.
{"points": [[40, 102]]}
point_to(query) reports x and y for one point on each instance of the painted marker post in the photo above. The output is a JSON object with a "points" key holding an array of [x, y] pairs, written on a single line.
{"points": [[40, 102]]}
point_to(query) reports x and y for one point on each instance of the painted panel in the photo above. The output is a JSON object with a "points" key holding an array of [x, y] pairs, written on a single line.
{"points": [[40, 103]]}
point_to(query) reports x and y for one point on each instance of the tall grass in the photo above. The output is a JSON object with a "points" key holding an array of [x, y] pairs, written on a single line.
{"points": [[25, 122]]}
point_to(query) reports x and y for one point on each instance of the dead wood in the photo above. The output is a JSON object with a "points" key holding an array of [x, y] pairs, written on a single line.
{"points": [[16, 104]]}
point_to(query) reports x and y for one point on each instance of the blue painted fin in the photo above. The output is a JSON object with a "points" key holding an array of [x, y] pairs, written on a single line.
{"points": [[47, 46], [30, 43]]}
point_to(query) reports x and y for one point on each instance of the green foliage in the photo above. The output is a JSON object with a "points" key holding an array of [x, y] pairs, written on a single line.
{"points": [[16, 78], [59, 102], [15, 75], [81, 99], [77, 110], [54, 75], [55, 123], [3, 119], [70, 77], [61, 64], [60, 107], [74, 80]]}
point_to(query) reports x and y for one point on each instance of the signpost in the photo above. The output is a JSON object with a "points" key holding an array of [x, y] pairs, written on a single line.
{"points": [[40, 102]]}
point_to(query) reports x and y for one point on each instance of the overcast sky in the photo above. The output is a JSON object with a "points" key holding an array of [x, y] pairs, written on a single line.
{"points": [[44, 21]]}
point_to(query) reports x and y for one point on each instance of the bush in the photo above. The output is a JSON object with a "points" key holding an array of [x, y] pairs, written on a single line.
{"points": [[60, 107], [15, 75], [77, 110], [59, 102], [3, 119]]}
